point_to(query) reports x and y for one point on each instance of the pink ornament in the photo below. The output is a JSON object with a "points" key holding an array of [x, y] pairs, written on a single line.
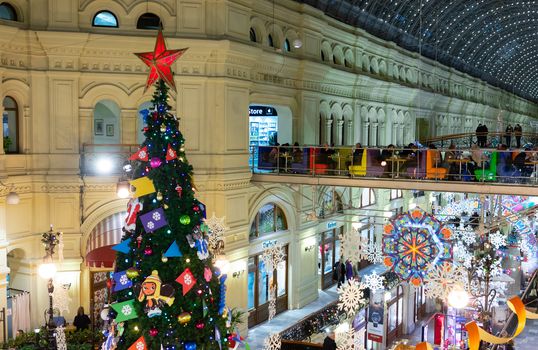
{"points": [[196, 208], [207, 274], [153, 332], [148, 251], [200, 325], [155, 162]]}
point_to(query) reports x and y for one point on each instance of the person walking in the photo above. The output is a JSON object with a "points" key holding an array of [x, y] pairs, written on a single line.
{"points": [[82, 321], [508, 135], [484, 135], [517, 133], [329, 343], [479, 130]]}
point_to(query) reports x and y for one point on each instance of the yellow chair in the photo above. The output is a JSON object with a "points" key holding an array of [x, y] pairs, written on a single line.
{"points": [[359, 170]]}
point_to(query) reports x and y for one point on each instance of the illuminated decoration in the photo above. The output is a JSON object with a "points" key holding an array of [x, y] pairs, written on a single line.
{"points": [[442, 279], [458, 298], [351, 297], [374, 281], [374, 254], [497, 240], [272, 342], [346, 340], [462, 255], [354, 246], [159, 62], [467, 235], [273, 255], [413, 240]]}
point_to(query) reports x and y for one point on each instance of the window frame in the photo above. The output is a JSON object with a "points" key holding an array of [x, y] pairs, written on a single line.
{"points": [[105, 26], [159, 26], [276, 211], [287, 46], [395, 194], [270, 40], [10, 7], [17, 123], [253, 35], [372, 200]]}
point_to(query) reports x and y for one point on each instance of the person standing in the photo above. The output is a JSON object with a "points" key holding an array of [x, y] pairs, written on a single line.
{"points": [[517, 133], [508, 135], [329, 343], [82, 321], [339, 272], [484, 135]]}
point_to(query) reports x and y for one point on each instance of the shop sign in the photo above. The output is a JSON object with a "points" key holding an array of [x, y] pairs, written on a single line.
{"points": [[376, 314], [261, 111], [331, 225]]}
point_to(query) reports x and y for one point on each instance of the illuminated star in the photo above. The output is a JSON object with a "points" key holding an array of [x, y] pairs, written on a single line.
{"points": [[159, 62]]}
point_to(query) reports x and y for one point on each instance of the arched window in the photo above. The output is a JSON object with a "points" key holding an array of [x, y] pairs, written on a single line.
{"points": [[269, 219], [7, 12], [270, 40], [252, 35], [322, 56], [105, 19], [10, 121], [367, 197], [149, 21], [287, 45], [106, 117]]}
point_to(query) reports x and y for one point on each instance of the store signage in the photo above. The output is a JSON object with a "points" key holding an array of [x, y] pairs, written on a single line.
{"points": [[376, 314], [261, 111], [331, 225]]}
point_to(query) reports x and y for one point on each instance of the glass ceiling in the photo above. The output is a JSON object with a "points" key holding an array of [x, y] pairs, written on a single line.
{"points": [[495, 40]]}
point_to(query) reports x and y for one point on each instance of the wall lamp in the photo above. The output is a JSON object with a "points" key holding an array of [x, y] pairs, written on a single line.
{"points": [[12, 197], [237, 274], [309, 248]]}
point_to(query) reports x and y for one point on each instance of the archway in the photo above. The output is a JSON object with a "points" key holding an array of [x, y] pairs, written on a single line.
{"points": [[106, 126]]}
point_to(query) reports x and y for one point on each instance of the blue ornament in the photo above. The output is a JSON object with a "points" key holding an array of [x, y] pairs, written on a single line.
{"points": [[144, 113], [190, 345]]}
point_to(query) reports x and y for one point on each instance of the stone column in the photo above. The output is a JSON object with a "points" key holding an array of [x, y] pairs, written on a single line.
{"points": [[365, 130], [338, 133], [327, 131], [128, 126], [394, 137], [373, 134], [349, 133], [401, 134]]}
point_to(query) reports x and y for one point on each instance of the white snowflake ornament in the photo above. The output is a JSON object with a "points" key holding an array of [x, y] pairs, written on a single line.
{"points": [[497, 240], [441, 280], [345, 340], [272, 342], [374, 253], [354, 247], [273, 256], [216, 225], [467, 235], [374, 281], [60, 297], [351, 297]]}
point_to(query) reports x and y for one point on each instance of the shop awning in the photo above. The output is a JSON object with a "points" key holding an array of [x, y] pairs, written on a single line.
{"points": [[102, 257], [105, 234]]}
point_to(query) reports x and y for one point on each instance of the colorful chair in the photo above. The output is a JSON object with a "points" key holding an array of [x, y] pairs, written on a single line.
{"points": [[488, 174], [301, 167], [373, 168], [433, 172], [359, 169], [418, 172], [315, 162]]}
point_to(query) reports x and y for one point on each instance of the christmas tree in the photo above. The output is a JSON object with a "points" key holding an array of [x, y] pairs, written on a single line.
{"points": [[167, 292]]}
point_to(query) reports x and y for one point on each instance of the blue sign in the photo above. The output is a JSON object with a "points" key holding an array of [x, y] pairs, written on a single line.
{"points": [[331, 224]]}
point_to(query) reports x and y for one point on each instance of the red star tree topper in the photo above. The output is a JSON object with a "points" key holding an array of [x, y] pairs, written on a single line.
{"points": [[159, 62]]}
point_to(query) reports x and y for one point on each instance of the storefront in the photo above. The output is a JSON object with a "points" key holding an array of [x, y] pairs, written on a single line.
{"points": [[329, 254], [419, 309], [259, 286], [395, 313]]}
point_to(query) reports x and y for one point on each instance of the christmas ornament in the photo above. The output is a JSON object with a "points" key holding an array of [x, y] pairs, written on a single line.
{"points": [[346, 340], [159, 197], [122, 247], [222, 302], [187, 280], [153, 332], [153, 220], [163, 127], [138, 241], [132, 273], [170, 153], [179, 190], [148, 250], [200, 325], [121, 281], [272, 342], [143, 186], [207, 274], [155, 162], [125, 310], [354, 247], [216, 225], [197, 240], [374, 281], [413, 240], [441, 279], [173, 251], [140, 344], [155, 294], [351, 297], [184, 318], [133, 208], [159, 62], [190, 345], [374, 254], [60, 297], [142, 154], [184, 219], [164, 259], [273, 255]]}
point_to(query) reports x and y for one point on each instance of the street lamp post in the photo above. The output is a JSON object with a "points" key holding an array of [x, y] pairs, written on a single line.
{"points": [[47, 270]]}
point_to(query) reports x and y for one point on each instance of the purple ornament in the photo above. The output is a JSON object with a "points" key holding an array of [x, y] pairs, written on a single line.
{"points": [[155, 162]]}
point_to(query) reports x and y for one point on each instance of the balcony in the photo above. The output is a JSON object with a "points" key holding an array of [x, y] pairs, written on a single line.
{"points": [[106, 159]]}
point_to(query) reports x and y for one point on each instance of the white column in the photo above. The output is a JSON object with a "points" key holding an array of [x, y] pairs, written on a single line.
{"points": [[373, 135], [401, 134], [327, 129], [382, 139], [349, 133], [337, 132], [365, 130], [395, 139]]}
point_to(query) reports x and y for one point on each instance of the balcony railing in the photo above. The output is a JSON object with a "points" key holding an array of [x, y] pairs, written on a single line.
{"points": [[106, 159], [487, 165]]}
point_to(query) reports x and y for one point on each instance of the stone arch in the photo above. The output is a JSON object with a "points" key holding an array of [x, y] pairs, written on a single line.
{"points": [[18, 90], [381, 115], [291, 35], [338, 55], [372, 115], [89, 12], [105, 91], [259, 28], [275, 31], [382, 67], [324, 110], [349, 58], [326, 51], [336, 111], [323, 190], [279, 197], [161, 9], [374, 65]]}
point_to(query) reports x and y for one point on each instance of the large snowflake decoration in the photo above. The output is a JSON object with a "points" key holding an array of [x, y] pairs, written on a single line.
{"points": [[413, 240], [497, 240], [354, 246], [467, 235], [441, 280], [273, 255], [60, 338], [374, 253], [374, 281], [272, 302], [60, 297], [216, 225], [346, 340], [351, 297], [462, 255], [272, 342]]}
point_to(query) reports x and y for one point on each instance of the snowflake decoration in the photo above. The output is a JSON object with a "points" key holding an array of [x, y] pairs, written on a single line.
{"points": [[187, 279], [413, 240], [124, 280], [272, 302], [150, 225], [273, 256], [140, 346], [272, 342], [60, 338], [346, 340], [60, 297], [374, 253], [374, 281], [467, 235], [126, 310], [216, 225], [354, 247], [462, 255], [351, 297], [497, 240], [156, 216], [441, 280]]}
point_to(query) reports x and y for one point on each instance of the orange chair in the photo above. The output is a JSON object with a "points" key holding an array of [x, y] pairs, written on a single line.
{"points": [[317, 167], [431, 171]]}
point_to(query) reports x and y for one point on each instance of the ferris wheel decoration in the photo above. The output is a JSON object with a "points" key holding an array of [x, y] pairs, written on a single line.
{"points": [[413, 240]]}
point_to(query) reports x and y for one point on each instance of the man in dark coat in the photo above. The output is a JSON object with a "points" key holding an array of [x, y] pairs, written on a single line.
{"points": [[508, 135], [517, 133], [329, 343]]}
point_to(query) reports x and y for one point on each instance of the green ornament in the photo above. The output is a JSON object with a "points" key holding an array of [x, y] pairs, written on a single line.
{"points": [[185, 220]]}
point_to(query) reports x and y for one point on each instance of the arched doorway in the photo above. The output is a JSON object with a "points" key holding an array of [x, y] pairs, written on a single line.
{"points": [[100, 257], [106, 126]]}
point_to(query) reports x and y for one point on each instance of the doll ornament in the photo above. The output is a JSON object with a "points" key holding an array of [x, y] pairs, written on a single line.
{"points": [[155, 294]]}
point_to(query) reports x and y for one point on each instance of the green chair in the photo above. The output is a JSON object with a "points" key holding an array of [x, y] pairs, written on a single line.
{"points": [[488, 174]]}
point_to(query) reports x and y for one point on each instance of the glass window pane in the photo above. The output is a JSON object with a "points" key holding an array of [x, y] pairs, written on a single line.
{"points": [[263, 284], [400, 311], [105, 19], [337, 250], [267, 219], [320, 258], [328, 257], [148, 21], [281, 277], [253, 232], [250, 282], [280, 220], [7, 12], [392, 317], [9, 103]]}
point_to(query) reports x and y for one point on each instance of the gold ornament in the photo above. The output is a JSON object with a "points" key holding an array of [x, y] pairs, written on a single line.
{"points": [[184, 318], [165, 206], [159, 196], [225, 313], [164, 259], [163, 127]]}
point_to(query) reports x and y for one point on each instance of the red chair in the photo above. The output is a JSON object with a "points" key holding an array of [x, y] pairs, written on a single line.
{"points": [[315, 162]]}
